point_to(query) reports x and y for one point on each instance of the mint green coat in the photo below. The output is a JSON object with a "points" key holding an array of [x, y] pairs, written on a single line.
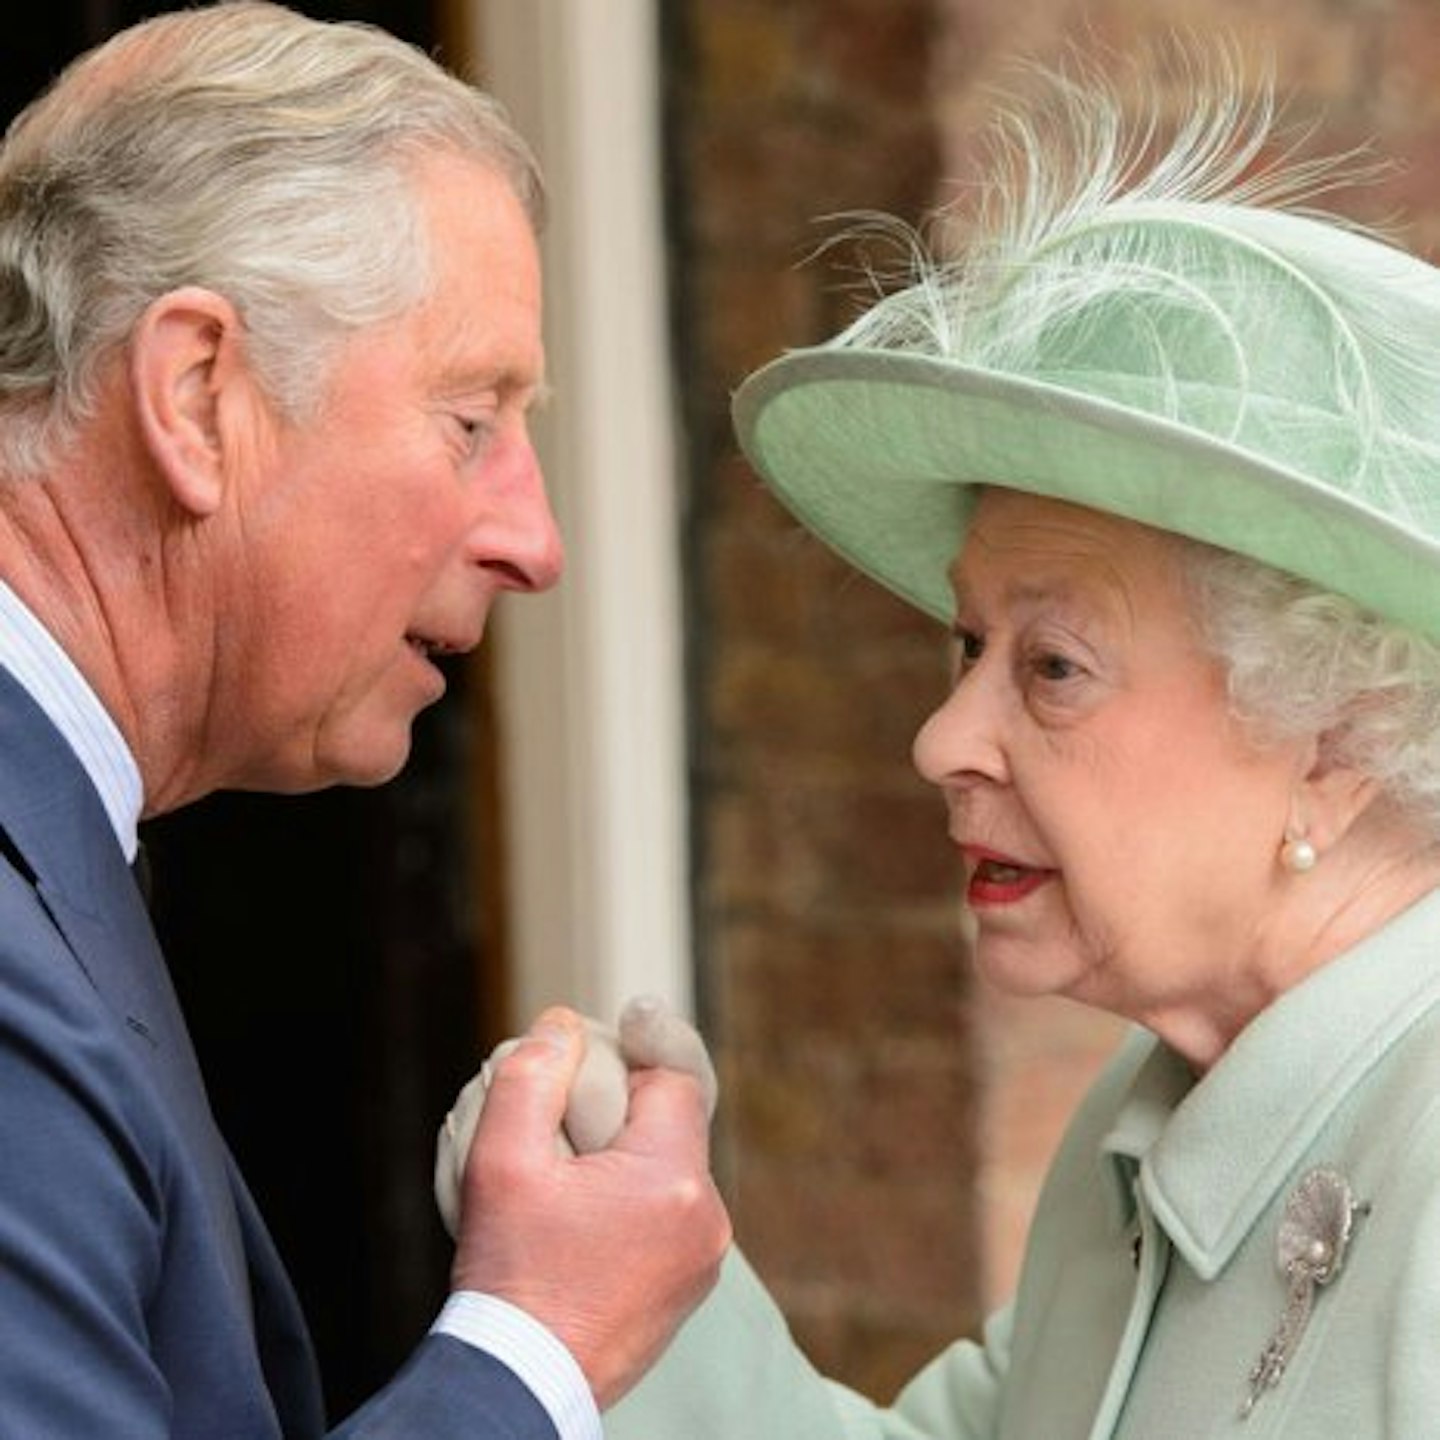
{"points": [[1151, 1283]]}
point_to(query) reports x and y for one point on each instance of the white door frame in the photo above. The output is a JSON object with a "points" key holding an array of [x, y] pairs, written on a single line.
{"points": [[591, 695]]}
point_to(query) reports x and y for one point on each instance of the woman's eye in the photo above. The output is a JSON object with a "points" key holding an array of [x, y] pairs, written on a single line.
{"points": [[968, 649], [1048, 665]]}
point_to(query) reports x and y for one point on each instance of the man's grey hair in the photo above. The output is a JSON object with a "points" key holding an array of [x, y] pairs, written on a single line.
{"points": [[239, 147]]}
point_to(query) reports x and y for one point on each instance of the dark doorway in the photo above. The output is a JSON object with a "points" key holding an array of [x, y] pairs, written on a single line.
{"points": [[326, 948]]}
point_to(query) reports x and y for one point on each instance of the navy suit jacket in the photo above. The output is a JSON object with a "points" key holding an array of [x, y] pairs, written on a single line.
{"points": [[140, 1295]]}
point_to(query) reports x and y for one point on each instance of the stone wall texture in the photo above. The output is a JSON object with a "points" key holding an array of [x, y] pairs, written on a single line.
{"points": [[885, 1118]]}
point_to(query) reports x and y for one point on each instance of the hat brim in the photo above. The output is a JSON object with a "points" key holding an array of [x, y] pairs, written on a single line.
{"points": [[880, 454]]}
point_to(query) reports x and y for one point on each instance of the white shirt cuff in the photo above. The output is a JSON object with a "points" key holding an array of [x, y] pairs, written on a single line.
{"points": [[546, 1368]]}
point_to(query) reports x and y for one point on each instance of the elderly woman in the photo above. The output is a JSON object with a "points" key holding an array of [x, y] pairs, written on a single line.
{"points": [[1163, 450]]}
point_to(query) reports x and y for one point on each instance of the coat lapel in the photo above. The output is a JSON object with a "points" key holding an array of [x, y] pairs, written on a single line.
{"points": [[55, 823]]}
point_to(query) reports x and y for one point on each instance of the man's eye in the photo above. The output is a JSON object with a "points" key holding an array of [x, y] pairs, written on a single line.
{"points": [[474, 431]]}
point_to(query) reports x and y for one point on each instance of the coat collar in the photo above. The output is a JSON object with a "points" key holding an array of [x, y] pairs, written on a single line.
{"points": [[1213, 1155], [42, 667]]}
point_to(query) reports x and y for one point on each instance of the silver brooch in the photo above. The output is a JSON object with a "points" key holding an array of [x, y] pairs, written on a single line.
{"points": [[1315, 1231]]}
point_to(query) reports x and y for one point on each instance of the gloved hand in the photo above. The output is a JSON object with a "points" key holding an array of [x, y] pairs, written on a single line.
{"points": [[649, 1035]]}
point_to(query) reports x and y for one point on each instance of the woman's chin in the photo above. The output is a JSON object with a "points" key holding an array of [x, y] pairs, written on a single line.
{"points": [[1024, 969]]}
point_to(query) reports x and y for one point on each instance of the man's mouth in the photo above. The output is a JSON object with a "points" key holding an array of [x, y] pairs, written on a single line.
{"points": [[431, 648]]}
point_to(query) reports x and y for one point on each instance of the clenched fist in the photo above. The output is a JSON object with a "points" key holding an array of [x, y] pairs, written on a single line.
{"points": [[573, 1172]]}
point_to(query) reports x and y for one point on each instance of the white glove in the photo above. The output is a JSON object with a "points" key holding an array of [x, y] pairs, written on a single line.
{"points": [[649, 1035]]}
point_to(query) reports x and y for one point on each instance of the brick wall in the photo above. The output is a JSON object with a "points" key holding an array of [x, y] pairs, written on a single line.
{"points": [[830, 962], [884, 1127]]}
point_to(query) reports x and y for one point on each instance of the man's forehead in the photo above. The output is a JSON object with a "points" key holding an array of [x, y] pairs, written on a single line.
{"points": [[483, 312]]}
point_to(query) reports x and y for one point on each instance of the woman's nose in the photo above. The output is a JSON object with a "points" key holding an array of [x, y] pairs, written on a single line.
{"points": [[962, 741]]}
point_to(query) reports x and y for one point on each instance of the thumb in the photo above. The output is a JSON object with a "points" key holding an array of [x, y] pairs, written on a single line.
{"points": [[530, 1087], [652, 1035]]}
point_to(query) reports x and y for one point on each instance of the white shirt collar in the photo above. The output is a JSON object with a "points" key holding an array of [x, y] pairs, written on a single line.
{"points": [[31, 654]]}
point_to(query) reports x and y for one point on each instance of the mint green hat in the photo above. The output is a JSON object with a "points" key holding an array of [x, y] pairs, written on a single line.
{"points": [[1183, 351]]}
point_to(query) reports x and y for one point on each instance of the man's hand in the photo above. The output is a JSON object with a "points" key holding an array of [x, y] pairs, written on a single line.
{"points": [[609, 1249], [650, 1036]]}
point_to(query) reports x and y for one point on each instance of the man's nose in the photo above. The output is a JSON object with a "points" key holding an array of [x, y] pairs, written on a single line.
{"points": [[517, 535]]}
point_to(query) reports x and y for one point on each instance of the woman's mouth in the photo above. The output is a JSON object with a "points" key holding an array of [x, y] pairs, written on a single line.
{"points": [[997, 880]]}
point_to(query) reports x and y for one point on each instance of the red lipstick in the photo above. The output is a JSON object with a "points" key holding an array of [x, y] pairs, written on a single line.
{"points": [[1000, 879]]}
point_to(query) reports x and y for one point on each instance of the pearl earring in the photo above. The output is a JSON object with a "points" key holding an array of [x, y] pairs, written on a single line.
{"points": [[1298, 855]]}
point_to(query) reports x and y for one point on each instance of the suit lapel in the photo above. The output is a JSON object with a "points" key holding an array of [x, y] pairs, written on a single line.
{"points": [[55, 822]]}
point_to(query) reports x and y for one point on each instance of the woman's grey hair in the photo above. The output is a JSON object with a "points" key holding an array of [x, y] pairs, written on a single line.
{"points": [[1302, 661], [239, 147]]}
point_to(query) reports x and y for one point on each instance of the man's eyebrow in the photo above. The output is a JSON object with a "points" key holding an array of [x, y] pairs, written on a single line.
{"points": [[478, 380]]}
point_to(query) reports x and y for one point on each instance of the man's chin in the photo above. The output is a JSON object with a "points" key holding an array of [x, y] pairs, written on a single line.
{"points": [[378, 773], [364, 765]]}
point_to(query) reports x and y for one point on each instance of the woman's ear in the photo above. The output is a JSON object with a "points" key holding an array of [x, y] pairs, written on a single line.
{"points": [[187, 369], [1330, 797]]}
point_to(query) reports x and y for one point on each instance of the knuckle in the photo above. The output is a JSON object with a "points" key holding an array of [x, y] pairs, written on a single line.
{"points": [[523, 1061], [724, 1233], [689, 1193], [498, 1171], [695, 1205]]}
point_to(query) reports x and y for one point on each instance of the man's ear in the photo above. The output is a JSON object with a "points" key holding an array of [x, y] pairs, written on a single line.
{"points": [[188, 371], [1330, 797]]}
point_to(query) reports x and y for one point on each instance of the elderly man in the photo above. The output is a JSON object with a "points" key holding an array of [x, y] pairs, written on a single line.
{"points": [[269, 333]]}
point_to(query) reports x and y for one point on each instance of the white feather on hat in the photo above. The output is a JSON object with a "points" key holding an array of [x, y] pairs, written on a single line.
{"points": [[1181, 339]]}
